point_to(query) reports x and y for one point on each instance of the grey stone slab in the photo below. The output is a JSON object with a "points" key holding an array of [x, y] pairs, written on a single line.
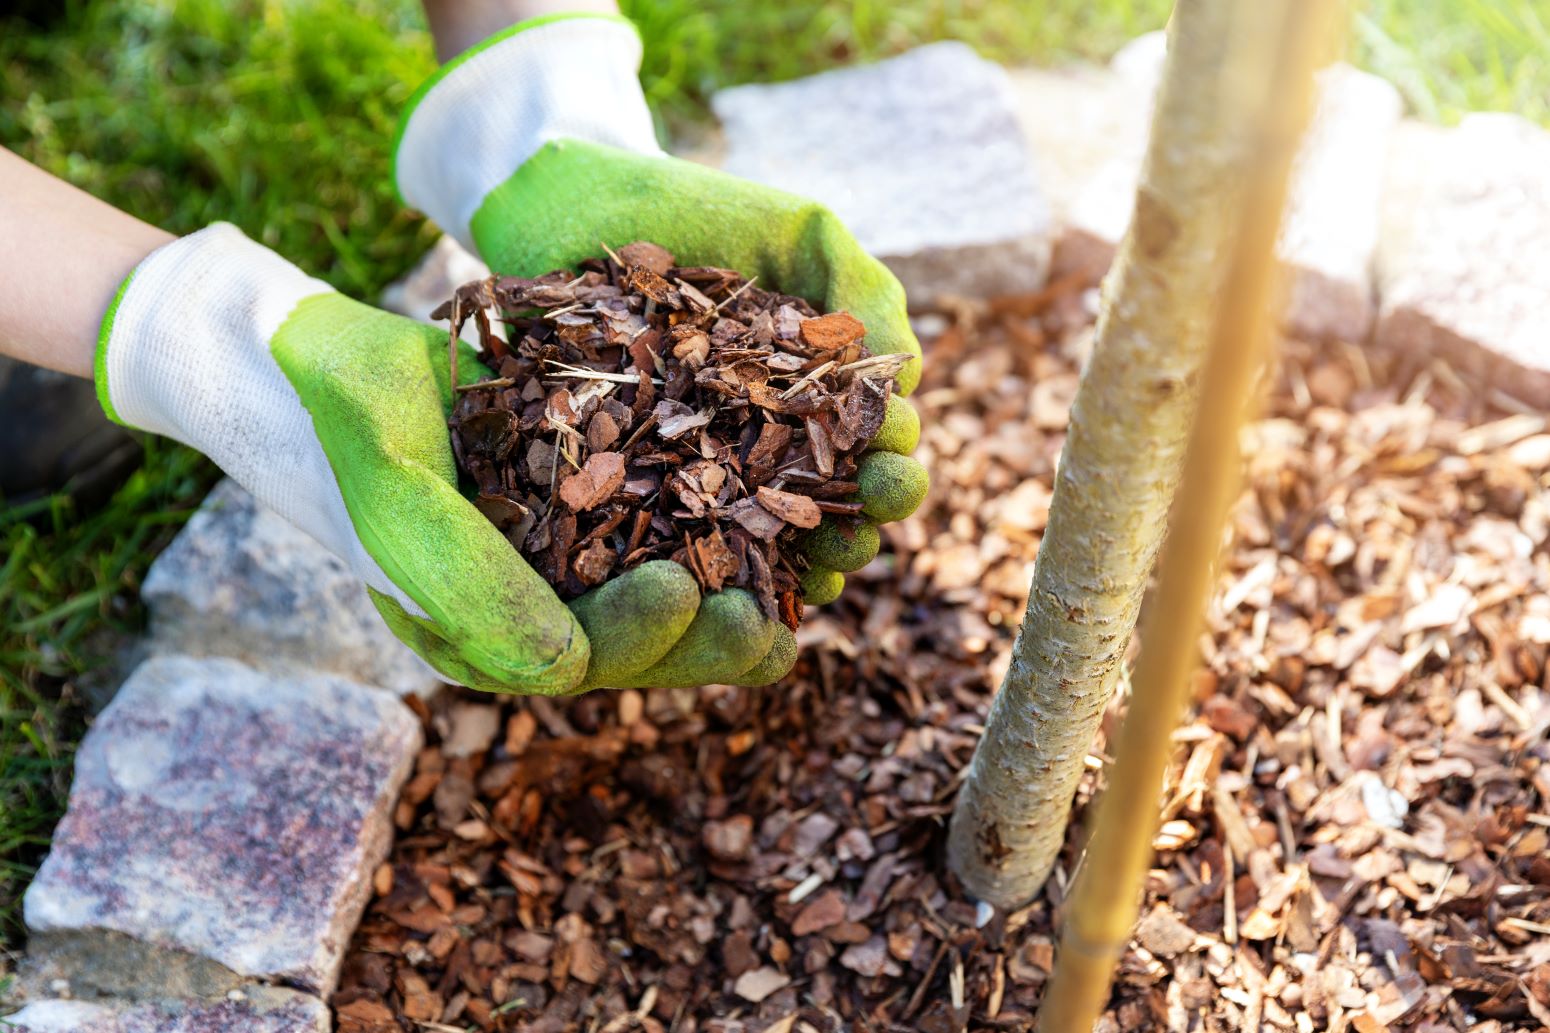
{"points": [[92, 963], [257, 1009], [241, 581], [921, 157], [1075, 117], [1330, 235], [1090, 130], [229, 813], [1464, 259], [1088, 127]]}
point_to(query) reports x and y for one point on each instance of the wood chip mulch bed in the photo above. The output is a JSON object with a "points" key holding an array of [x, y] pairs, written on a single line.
{"points": [[1357, 830]]}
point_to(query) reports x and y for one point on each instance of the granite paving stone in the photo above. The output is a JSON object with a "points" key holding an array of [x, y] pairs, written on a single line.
{"points": [[241, 581], [1464, 260], [229, 813], [258, 1009], [1090, 130], [920, 155]]}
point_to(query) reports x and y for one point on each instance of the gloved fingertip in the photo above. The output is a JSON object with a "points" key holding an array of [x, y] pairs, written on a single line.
{"points": [[900, 431], [892, 486], [728, 636], [632, 621], [828, 545], [821, 586], [777, 663]]}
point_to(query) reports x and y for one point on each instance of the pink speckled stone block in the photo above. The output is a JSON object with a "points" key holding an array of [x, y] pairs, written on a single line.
{"points": [[232, 814], [263, 1010]]}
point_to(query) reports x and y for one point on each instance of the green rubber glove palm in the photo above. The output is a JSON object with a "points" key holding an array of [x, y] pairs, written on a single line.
{"points": [[334, 414], [572, 195], [536, 149], [378, 389]]}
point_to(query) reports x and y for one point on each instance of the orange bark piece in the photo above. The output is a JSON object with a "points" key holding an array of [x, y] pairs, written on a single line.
{"points": [[832, 332]]}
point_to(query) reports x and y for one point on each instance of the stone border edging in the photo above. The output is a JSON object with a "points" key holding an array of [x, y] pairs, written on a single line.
{"points": [[228, 808]]}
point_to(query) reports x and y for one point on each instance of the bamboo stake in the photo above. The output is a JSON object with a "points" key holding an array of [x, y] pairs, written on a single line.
{"points": [[1277, 44]]}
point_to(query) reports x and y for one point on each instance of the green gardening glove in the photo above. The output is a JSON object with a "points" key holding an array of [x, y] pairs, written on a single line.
{"points": [[334, 414], [566, 162]]}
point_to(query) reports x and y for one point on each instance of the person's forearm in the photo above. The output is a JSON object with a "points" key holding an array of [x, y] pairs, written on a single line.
{"points": [[457, 25], [63, 254]]}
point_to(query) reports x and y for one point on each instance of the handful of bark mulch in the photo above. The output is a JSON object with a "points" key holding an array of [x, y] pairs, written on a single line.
{"points": [[641, 410]]}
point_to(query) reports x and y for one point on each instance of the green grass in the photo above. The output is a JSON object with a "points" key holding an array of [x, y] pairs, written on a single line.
{"points": [[694, 47], [1456, 56], [278, 116], [274, 117]]}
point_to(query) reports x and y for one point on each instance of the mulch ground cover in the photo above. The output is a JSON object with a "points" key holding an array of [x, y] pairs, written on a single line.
{"points": [[1357, 821]]}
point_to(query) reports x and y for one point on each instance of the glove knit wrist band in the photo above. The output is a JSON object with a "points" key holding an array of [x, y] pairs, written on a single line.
{"points": [[484, 114], [184, 352]]}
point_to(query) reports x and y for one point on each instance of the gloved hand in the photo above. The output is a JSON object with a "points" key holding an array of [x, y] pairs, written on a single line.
{"points": [[536, 148], [333, 413]]}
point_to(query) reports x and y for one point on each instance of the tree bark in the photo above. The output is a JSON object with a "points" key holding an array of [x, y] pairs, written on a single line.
{"points": [[1118, 471]]}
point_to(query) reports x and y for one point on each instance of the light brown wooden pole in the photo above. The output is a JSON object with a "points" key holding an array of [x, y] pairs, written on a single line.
{"points": [[1276, 45]]}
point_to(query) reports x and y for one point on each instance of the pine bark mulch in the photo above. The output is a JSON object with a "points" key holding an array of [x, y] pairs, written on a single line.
{"points": [[641, 410], [1357, 831]]}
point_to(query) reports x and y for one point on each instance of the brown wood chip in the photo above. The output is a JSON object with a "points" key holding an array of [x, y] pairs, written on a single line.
{"points": [[833, 331], [594, 483], [1354, 824], [796, 510]]}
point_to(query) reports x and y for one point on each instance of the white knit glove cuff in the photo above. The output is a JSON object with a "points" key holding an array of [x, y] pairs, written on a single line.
{"points": [[485, 113], [185, 353]]}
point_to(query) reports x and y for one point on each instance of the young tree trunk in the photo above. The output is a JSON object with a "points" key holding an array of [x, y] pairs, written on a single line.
{"points": [[1274, 54], [1129, 427]]}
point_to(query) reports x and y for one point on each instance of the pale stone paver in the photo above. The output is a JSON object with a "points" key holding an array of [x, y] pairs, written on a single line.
{"points": [[1330, 234], [1091, 159], [921, 157], [259, 1009], [241, 581], [1464, 263], [1074, 116], [230, 813]]}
